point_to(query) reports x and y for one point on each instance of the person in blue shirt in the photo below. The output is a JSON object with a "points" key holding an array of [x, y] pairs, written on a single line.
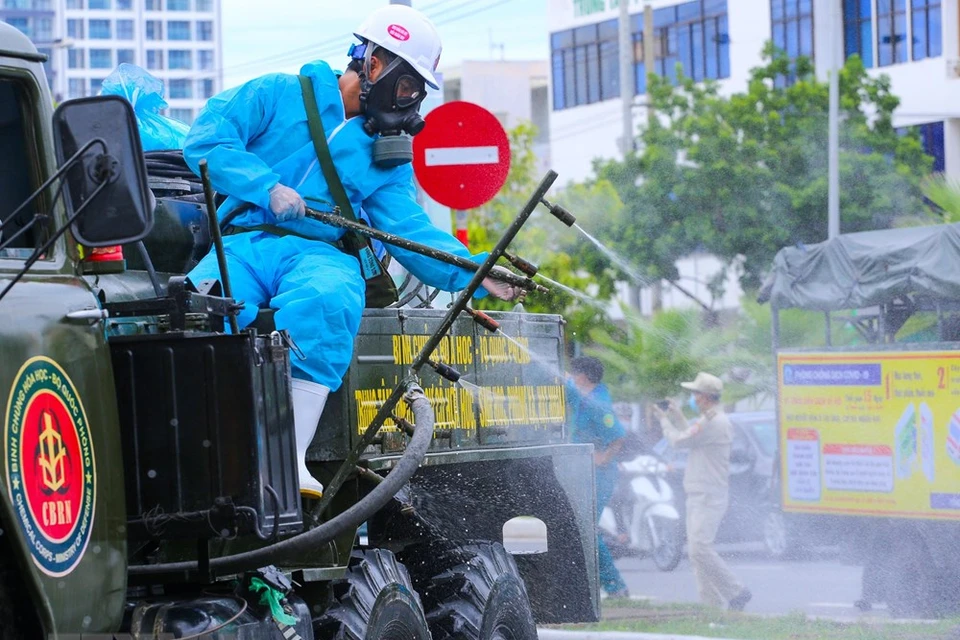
{"points": [[594, 422], [257, 143]]}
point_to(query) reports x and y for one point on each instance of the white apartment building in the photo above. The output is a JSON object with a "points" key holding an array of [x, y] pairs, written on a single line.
{"points": [[915, 42], [515, 91], [178, 41]]}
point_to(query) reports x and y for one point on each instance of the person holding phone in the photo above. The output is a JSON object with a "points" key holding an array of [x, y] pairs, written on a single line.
{"points": [[706, 481]]}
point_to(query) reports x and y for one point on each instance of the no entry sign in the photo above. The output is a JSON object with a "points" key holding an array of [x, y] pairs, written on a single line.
{"points": [[462, 157]]}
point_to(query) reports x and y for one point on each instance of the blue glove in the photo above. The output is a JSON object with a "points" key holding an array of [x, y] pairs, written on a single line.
{"points": [[286, 204]]}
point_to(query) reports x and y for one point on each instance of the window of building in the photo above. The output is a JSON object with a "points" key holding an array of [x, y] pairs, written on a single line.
{"points": [[154, 30], [585, 60], [125, 30], [931, 135], [858, 30], [204, 6], [74, 4], [154, 59], [205, 30], [98, 4], [75, 29], [99, 29], [101, 59], [21, 24], [205, 60], [792, 22], [75, 59], [154, 5], [205, 88], [181, 89], [178, 30], [891, 32], [927, 29], [183, 115], [76, 88], [96, 84], [180, 59], [125, 5], [44, 30], [127, 56], [178, 5]]}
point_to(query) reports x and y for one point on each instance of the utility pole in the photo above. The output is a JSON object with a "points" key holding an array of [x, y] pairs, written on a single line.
{"points": [[649, 67], [833, 142], [627, 90]]}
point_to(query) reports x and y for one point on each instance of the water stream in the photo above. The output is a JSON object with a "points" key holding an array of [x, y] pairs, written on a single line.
{"points": [[579, 295], [618, 260]]}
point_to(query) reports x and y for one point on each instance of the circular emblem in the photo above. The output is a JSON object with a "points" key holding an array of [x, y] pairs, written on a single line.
{"points": [[50, 467], [399, 33]]}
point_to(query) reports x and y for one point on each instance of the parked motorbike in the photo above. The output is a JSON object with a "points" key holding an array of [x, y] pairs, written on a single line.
{"points": [[642, 518]]}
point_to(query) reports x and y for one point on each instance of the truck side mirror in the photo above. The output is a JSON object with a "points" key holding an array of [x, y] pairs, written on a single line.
{"points": [[120, 212]]}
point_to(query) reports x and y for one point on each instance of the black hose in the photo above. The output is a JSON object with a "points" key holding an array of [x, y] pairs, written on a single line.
{"points": [[151, 271], [353, 517]]}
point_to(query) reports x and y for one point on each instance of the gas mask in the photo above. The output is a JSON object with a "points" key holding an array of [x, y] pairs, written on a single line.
{"points": [[391, 106]]}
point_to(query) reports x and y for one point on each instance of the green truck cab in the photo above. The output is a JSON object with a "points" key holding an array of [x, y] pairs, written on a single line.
{"points": [[148, 486]]}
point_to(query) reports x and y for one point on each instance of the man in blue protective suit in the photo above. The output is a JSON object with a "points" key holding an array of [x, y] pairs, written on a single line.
{"points": [[593, 422], [260, 153]]}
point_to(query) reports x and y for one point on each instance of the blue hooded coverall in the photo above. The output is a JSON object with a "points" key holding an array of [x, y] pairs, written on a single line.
{"points": [[594, 423], [256, 136]]}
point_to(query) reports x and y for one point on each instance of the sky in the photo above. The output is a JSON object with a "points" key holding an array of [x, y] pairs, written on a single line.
{"points": [[265, 36]]}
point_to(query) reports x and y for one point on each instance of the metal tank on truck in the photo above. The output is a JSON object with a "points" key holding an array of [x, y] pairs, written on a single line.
{"points": [[868, 419], [149, 485]]}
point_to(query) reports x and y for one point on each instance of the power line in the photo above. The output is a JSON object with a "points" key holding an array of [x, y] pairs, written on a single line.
{"points": [[446, 16]]}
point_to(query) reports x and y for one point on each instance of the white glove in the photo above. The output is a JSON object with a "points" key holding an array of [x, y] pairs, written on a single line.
{"points": [[500, 289], [286, 204]]}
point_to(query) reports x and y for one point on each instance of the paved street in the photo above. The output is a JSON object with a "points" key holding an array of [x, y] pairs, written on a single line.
{"points": [[822, 586]]}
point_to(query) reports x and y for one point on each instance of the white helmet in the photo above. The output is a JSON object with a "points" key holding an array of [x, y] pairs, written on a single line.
{"points": [[409, 34]]}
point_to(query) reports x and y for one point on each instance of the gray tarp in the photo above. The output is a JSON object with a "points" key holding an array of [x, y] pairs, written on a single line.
{"points": [[859, 270]]}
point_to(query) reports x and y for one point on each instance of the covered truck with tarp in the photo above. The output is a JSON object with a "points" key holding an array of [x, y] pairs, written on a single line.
{"points": [[869, 420]]}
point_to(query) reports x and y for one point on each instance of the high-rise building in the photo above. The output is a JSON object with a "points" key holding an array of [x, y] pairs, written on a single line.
{"points": [[178, 41]]}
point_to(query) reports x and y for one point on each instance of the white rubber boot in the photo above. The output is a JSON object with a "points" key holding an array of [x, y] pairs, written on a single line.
{"points": [[309, 399]]}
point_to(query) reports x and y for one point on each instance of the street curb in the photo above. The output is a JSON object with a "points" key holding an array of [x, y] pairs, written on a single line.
{"points": [[557, 634]]}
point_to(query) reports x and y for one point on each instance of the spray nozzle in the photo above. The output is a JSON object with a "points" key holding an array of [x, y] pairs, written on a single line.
{"points": [[483, 320], [445, 371], [527, 268], [559, 212]]}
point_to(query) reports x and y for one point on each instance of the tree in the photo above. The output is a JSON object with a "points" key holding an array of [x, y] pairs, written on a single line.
{"points": [[746, 175], [585, 277]]}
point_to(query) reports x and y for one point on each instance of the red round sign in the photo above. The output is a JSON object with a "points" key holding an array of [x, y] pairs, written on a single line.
{"points": [[462, 157]]}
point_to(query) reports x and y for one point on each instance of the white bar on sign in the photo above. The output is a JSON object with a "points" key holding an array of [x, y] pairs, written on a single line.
{"points": [[450, 156]]}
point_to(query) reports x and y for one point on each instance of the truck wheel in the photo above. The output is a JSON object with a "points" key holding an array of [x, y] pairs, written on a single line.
{"points": [[375, 600], [483, 598]]}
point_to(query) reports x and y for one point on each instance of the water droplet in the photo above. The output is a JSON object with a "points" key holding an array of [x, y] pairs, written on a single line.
{"points": [[174, 422], [152, 473], [87, 620], [206, 444], [61, 585], [96, 548], [224, 533]]}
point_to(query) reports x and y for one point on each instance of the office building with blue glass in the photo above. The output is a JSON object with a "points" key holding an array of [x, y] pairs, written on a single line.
{"points": [[915, 42], [178, 41]]}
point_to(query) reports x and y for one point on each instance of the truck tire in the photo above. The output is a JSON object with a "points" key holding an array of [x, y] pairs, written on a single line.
{"points": [[375, 600], [482, 598]]}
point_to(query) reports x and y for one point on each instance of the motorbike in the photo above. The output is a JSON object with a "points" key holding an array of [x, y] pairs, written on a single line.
{"points": [[642, 518]]}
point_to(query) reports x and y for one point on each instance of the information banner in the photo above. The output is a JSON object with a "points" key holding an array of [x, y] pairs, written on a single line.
{"points": [[872, 433]]}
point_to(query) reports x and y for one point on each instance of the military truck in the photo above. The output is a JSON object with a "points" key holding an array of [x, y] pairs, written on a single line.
{"points": [[149, 488]]}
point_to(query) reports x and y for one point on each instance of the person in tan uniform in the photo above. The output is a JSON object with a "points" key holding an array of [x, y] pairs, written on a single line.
{"points": [[706, 482]]}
